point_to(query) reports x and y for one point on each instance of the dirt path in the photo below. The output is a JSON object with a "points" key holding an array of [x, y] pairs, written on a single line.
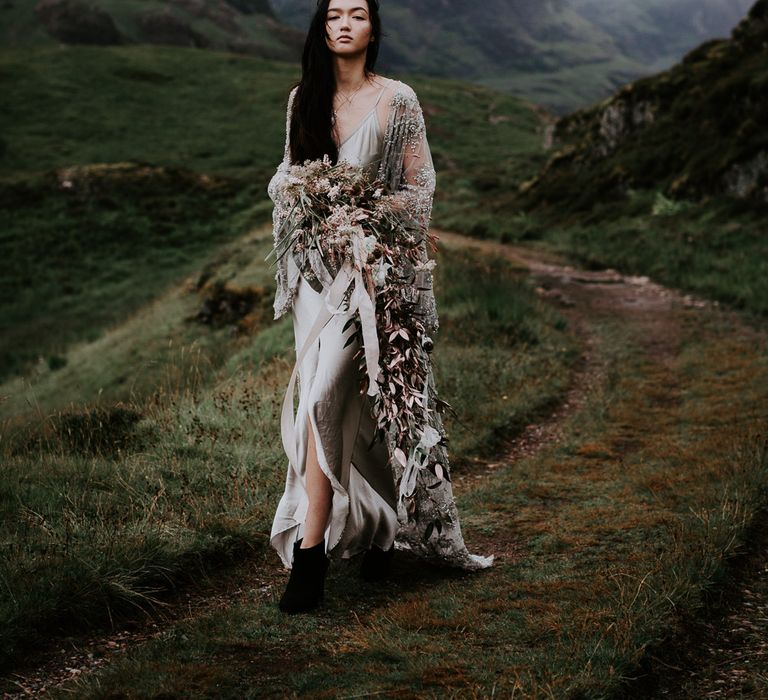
{"points": [[581, 296]]}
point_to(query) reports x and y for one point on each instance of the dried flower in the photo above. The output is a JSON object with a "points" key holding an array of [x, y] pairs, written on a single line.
{"points": [[336, 210]]}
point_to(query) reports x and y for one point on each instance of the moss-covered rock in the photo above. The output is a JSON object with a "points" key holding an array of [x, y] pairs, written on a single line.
{"points": [[75, 22], [692, 131]]}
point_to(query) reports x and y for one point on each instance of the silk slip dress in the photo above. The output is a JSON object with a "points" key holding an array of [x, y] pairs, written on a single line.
{"points": [[364, 505]]}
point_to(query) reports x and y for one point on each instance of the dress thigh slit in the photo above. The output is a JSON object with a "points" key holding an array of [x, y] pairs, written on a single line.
{"points": [[364, 507]]}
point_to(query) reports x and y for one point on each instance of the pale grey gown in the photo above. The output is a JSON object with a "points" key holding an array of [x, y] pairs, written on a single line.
{"points": [[364, 506]]}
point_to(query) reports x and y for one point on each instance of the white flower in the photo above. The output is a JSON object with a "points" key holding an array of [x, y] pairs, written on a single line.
{"points": [[334, 192], [378, 193], [429, 265], [338, 217], [429, 438], [324, 185], [369, 244], [380, 273]]}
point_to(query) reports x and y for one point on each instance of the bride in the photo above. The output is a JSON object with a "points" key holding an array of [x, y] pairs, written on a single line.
{"points": [[345, 492]]}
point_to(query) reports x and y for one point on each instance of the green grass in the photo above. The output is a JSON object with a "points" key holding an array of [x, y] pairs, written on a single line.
{"points": [[655, 204], [207, 111], [142, 451], [715, 249], [106, 503], [199, 147], [607, 541], [201, 133]]}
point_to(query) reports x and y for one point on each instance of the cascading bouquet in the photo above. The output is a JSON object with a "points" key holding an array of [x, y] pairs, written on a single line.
{"points": [[339, 218]]}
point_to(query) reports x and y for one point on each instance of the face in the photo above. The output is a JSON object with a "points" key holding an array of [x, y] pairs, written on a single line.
{"points": [[348, 27]]}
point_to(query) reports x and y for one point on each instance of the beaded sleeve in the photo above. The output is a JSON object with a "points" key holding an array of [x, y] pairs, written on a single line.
{"points": [[285, 287], [408, 170]]}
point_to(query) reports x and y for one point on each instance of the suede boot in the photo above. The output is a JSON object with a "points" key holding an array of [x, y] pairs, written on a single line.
{"points": [[306, 583], [376, 563]]}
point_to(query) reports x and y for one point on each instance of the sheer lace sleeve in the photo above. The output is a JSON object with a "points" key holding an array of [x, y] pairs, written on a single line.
{"points": [[409, 172], [283, 294]]}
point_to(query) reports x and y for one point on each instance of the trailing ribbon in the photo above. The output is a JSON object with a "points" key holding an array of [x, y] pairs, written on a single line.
{"points": [[361, 302]]}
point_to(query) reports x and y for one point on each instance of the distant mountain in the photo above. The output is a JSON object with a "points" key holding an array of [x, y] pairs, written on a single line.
{"points": [[560, 53], [695, 130], [245, 26], [647, 30]]}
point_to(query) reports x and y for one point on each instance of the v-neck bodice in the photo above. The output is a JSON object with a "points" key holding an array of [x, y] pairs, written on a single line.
{"points": [[363, 146]]}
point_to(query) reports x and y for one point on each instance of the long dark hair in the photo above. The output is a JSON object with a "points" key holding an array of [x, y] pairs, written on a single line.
{"points": [[311, 129]]}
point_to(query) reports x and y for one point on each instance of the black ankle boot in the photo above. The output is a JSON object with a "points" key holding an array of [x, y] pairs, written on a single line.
{"points": [[376, 563], [306, 583]]}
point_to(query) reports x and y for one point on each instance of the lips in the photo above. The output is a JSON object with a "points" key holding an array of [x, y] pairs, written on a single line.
{"points": [[345, 38]]}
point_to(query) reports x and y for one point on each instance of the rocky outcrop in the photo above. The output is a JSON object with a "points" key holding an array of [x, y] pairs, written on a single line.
{"points": [[748, 179], [240, 26], [695, 130], [164, 27], [75, 22]]}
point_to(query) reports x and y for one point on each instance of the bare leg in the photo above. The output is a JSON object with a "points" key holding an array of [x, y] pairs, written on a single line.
{"points": [[320, 493]]}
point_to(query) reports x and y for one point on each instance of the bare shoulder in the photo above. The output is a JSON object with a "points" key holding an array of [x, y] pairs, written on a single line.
{"points": [[396, 88]]}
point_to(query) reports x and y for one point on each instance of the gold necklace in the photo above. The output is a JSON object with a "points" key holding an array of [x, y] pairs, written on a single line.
{"points": [[348, 100]]}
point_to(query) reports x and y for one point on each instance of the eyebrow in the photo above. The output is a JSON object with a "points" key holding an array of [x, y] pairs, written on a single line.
{"points": [[354, 9]]}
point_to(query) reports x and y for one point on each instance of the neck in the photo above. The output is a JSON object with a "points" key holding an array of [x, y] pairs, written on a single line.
{"points": [[349, 72]]}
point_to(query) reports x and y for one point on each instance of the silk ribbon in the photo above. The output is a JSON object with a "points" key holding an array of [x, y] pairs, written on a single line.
{"points": [[360, 301]]}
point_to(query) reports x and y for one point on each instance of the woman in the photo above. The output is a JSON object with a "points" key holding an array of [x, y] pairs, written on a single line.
{"points": [[344, 492]]}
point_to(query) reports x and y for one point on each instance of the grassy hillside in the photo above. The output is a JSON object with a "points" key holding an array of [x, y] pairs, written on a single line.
{"points": [[154, 455], [141, 453], [669, 177], [694, 130], [198, 135], [134, 183], [122, 167], [245, 26]]}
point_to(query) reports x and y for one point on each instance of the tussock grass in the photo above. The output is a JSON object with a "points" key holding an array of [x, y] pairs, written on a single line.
{"points": [[108, 505], [609, 541]]}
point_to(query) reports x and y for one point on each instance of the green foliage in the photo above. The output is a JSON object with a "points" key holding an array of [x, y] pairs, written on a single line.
{"points": [[663, 206]]}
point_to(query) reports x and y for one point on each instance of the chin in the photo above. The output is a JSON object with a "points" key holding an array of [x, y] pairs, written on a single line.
{"points": [[348, 50]]}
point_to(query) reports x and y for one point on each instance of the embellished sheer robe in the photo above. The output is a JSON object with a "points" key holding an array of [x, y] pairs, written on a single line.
{"points": [[428, 521]]}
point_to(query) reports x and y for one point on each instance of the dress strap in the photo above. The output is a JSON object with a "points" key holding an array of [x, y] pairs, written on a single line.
{"points": [[376, 104]]}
